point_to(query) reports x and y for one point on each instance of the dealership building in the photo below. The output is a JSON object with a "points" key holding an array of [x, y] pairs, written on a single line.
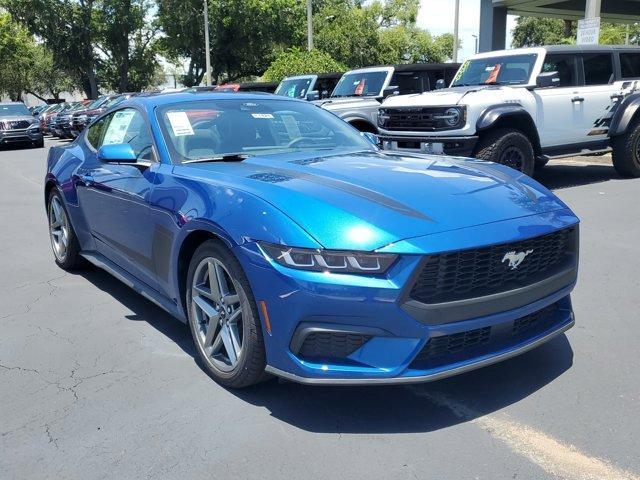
{"points": [[493, 15]]}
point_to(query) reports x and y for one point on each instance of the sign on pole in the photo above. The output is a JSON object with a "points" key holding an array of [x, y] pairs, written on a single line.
{"points": [[588, 31]]}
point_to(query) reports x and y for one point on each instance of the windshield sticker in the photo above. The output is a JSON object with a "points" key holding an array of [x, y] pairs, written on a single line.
{"points": [[118, 127], [493, 76], [180, 123], [291, 125], [261, 115]]}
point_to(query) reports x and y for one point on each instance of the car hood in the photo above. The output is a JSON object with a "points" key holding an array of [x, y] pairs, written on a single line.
{"points": [[365, 200], [347, 103], [445, 96]]}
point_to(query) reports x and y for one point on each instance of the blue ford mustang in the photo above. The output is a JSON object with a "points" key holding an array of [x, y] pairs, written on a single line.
{"points": [[291, 245]]}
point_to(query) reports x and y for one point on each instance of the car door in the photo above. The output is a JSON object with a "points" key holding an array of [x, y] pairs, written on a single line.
{"points": [[558, 109], [115, 196], [600, 94]]}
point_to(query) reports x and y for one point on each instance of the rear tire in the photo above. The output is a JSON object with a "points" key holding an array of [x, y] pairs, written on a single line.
{"points": [[626, 152], [507, 146], [233, 352], [64, 242]]}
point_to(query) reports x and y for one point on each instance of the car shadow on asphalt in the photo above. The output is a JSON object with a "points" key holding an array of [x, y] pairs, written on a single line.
{"points": [[556, 175], [371, 409]]}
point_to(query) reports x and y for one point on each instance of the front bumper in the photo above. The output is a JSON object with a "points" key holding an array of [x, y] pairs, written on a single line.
{"points": [[301, 303], [456, 146], [17, 136]]}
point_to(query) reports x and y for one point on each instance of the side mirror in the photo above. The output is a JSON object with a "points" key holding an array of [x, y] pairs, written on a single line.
{"points": [[440, 84], [313, 95], [372, 137], [548, 80], [117, 153], [390, 91], [324, 94]]}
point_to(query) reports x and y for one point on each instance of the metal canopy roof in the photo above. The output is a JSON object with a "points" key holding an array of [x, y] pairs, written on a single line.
{"points": [[611, 11]]}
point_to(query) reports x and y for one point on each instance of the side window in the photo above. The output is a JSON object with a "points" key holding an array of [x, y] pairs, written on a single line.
{"points": [[410, 82], [598, 68], [126, 126], [565, 65], [630, 65], [96, 132]]}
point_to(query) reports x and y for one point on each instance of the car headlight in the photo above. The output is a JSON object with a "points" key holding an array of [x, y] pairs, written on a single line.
{"points": [[452, 116], [317, 260], [34, 127]]}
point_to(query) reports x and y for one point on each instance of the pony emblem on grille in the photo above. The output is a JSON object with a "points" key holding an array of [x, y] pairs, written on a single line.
{"points": [[515, 259]]}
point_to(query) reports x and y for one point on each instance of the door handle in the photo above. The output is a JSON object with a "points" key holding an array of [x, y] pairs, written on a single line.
{"points": [[86, 179], [577, 99]]}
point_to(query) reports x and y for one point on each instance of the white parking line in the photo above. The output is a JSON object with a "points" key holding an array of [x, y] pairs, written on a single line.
{"points": [[556, 458]]}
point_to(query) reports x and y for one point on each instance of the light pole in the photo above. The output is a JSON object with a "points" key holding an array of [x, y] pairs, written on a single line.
{"points": [[456, 20], [309, 26], [476, 40], [207, 53]]}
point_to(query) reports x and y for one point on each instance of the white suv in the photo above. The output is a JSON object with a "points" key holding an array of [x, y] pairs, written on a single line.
{"points": [[525, 106]]}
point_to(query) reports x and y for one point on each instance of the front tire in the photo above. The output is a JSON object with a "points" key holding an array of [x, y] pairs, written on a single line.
{"points": [[64, 242], [39, 143], [509, 147], [223, 317], [626, 152]]}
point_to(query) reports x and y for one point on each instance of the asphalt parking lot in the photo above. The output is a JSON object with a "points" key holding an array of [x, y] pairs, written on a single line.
{"points": [[97, 382]]}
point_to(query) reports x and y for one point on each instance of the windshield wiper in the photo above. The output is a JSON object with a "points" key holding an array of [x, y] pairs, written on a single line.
{"points": [[231, 157]]}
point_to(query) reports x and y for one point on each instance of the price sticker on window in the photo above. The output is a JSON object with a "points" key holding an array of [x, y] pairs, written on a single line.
{"points": [[180, 123]]}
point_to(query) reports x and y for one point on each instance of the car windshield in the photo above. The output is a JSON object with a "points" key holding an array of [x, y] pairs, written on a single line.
{"points": [[503, 70], [361, 84], [96, 103], [294, 87], [211, 130], [113, 101], [13, 109]]}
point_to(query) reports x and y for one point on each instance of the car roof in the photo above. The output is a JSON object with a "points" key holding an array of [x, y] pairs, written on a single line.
{"points": [[152, 100], [558, 49], [11, 103]]}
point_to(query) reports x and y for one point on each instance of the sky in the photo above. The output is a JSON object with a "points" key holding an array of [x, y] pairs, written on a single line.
{"points": [[437, 17]]}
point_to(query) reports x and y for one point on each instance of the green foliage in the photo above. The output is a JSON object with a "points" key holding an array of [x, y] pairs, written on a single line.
{"points": [[361, 34], [616, 34], [245, 36], [298, 62], [91, 37], [534, 31], [26, 65]]}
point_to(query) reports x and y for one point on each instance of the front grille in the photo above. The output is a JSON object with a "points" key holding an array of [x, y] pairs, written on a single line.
{"points": [[331, 344], [15, 125], [415, 119], [448, 344], [473, 342], [478, 272]]}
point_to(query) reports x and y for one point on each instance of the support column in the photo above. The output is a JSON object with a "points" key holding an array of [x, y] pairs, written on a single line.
{"points": [[493, 26], [592, 8]]}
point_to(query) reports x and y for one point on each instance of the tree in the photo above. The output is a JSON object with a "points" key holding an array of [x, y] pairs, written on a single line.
{"points": [[245, 36], [298, 62], [68, 29], [87, 37], [534, 31], [48, 78], [128, 43]]}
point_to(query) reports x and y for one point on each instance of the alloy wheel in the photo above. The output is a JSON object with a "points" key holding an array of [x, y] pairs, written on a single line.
{"points": [[217, 314], [58, 229], [512, 157]]}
